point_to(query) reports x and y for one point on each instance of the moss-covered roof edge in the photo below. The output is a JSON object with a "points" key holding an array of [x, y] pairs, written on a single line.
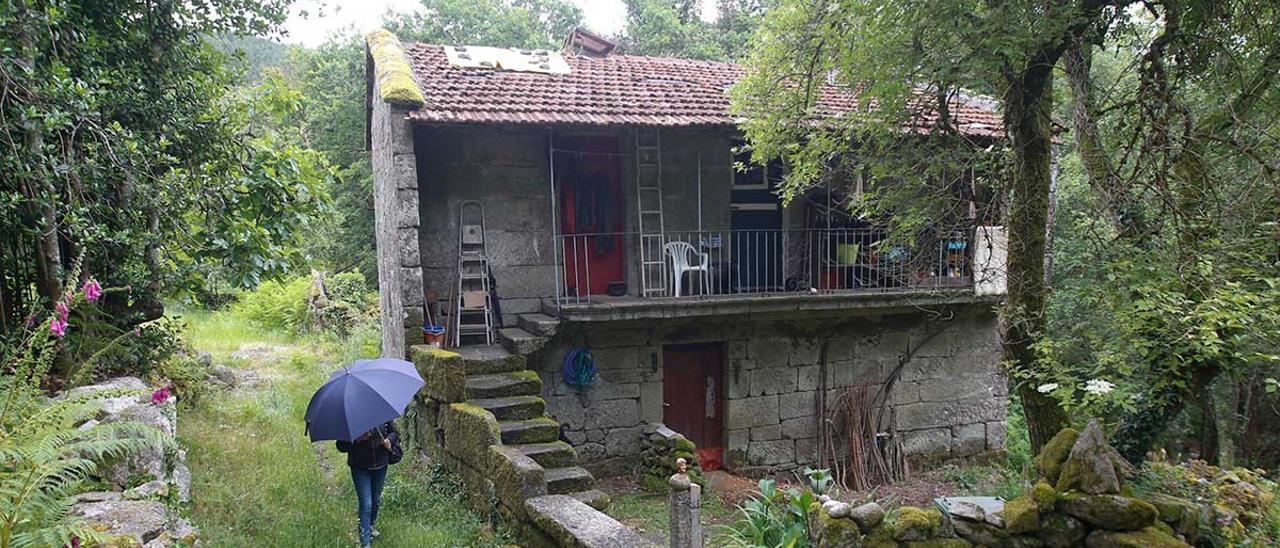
{"points": [[392, 71]]}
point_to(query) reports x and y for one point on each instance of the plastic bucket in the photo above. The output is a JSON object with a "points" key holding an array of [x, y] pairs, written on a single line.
{"points": [[434, 334]]}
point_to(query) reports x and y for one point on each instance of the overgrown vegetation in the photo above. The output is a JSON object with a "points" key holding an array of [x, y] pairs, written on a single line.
{"points": [[45, 458], [261, 483]]}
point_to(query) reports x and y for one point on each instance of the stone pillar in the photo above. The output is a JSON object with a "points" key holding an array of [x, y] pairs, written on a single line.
{"points": [[685, 507], [395, 186]]}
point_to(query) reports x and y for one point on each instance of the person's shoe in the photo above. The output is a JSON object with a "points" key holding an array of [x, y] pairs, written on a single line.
{"points": [[375, 533]]}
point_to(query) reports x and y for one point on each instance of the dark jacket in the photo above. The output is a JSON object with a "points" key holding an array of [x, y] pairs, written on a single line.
{"points": [[367, 451]]}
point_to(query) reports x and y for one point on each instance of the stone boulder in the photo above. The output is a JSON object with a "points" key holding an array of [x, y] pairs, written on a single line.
{"points": [[1110, 512], [911, 523], [868, 516], [830, 531], [1021, 515], [1059, 530], [1093, 467], [1149, 537], [137, 522], [115, 404], [1054, 454]]}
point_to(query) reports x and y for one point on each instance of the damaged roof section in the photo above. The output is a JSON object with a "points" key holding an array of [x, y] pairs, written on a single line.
{"points": [[597, 87]]}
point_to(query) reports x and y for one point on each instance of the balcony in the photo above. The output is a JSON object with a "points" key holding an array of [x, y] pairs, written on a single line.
{"points": [[629, 275]]}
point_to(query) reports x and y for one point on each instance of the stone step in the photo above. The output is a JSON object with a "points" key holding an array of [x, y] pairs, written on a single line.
{"points": [[512, 407], [594, 498], [556, 454], [519, 341], [568, 479], [491, 358], [501, 385], [539, 430], [540, 325], [570, 522]]}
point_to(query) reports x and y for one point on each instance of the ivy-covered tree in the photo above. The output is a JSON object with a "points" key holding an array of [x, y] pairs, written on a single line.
{"points": [[909, 61], [122, 143]]}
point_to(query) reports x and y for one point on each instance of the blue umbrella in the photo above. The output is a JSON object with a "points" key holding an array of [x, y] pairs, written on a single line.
{"points": [[361, 396]]}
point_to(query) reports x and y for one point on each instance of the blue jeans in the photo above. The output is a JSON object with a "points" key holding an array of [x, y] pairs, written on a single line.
{"points": [[369, 495]]}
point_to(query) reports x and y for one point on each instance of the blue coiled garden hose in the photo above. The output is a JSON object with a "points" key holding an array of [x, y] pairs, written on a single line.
{"points": [[579, 368]]}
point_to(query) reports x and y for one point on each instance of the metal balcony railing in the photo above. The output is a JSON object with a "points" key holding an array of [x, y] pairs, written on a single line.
{"points": [[708, 263]]}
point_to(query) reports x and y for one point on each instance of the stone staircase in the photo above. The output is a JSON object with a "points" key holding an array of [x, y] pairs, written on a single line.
{"points": [[498, 381]]}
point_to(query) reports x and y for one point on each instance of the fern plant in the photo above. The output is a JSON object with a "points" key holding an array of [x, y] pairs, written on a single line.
{"points": [[44, 457]]}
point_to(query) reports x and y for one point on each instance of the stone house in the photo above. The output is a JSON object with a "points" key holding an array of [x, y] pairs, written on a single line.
{"points": [[596, 172]]}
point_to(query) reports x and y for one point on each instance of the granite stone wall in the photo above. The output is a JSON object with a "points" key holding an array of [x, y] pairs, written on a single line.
{"points": [[507, 169], [949, 400], [395, 203]]}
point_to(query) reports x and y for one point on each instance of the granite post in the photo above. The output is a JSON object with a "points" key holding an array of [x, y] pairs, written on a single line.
{"points": [[685, 507]]}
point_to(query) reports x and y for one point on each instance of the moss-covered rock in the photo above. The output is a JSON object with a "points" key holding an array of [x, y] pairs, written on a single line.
{"points": [[911, 523], [516, 477], [868, 516], [1149, 537], [1052, 456], [1094, 467], [1111, 512], [979, 533], [880, 537], [1059, 530], [443, 371], [939, 543], [832, 532], [1021, 515], [1045, 497], [469, 430], [1181, 514], [392, 72]]}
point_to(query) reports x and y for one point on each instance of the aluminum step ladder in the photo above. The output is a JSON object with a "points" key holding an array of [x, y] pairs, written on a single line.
{"points": [[473, 297], [651, 222]]}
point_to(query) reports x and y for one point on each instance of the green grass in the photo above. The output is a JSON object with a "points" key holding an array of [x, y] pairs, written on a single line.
{"points": [[221, 333], [648, 514], [259, 482]]}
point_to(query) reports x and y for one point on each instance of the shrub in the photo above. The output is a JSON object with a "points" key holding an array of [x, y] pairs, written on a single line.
{"points": [[773, 517], [1243, 501], [276, 305], [44, 457]]}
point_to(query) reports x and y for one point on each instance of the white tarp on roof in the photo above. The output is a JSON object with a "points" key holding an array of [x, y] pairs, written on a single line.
{"points": [[512, 59]]}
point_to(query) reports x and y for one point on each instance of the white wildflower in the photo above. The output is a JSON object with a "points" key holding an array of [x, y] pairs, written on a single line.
{"points": [[1047, 388], [1098, 387]]}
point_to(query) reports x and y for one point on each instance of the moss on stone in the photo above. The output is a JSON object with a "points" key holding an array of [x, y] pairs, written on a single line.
{"points": [[1021, 515], [1044, 496], [392, 71], [911, 523], [682, 444], [939, 543], [1112, 512], [1054, 454], [1058, 530], [880, 537], [533, 435], [443, 371], [516, 477], [1149, 537], [469, 430], [835, 532]]}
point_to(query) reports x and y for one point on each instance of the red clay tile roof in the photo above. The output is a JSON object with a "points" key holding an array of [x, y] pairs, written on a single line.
{"points": [[617, 89]]}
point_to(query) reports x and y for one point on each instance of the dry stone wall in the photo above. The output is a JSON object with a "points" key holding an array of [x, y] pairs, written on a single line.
{"points": [[949, 400]]}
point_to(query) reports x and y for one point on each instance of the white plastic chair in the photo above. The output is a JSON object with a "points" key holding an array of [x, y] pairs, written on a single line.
{"points": [[680, 252]]}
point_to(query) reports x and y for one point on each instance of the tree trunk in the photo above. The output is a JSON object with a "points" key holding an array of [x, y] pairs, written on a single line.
{"points": [[1227, 415], [39, 188], [1028, 100]]}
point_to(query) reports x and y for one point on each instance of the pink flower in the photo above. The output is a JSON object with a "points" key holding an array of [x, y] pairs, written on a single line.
{"points": [[137, 331], [62, 309], [58, 326], [160, 396], [92, 291]]}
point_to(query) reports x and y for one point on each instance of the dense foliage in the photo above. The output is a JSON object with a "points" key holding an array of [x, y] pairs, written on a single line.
{"points": [[44, 456], [122, 142], [676, 28]]}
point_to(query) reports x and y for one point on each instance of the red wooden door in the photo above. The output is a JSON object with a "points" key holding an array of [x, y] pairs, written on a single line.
{"points": [[693, 402]]}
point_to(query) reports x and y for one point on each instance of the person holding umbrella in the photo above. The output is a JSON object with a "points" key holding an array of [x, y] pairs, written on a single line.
{"points": [[357, 407]]}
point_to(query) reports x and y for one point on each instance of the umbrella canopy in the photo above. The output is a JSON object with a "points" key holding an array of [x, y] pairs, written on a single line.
{"points": [[361, 396]]}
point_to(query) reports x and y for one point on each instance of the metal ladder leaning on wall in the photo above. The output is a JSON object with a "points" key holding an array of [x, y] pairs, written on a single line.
{"points": [[473, 298], [653, 271]]}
